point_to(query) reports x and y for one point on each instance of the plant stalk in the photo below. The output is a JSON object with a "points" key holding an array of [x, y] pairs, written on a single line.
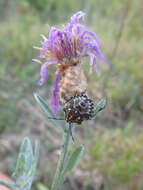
{"points": [[62, 160]]}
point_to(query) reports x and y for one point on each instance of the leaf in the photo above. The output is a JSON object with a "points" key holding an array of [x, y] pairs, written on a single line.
{"points": [[26, 164], [73, 160], [47, 110], [43, 105], [25, 158], [100, 106], [40, 186], [12, 186], [70, 164]]}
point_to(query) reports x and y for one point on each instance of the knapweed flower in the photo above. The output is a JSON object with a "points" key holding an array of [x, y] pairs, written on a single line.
{"points": [[66, 48]]}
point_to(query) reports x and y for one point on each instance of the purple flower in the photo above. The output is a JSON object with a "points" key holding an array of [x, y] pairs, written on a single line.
{"points": [[70, 44]]}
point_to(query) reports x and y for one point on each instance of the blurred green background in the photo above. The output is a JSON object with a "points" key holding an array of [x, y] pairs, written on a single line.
{"points": [[113, 141]]}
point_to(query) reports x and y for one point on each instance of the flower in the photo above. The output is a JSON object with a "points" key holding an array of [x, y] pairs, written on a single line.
{"points": [[65, 47]]}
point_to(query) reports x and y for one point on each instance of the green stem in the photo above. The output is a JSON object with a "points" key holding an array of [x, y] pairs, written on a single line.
{"points": [[62, 159]]}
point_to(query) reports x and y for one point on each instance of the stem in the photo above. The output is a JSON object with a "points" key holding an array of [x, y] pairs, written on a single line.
{"points": [[62, 159]]}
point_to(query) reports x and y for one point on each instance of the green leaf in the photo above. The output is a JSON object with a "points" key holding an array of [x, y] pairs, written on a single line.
{"points": [[25, 158], [40, 186], [26, 164], [43, 105], [47, 110], [100, 106], [12, 186], [73, 160], [70, 164]]}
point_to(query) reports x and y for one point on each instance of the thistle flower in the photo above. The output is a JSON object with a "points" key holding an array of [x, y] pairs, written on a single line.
{"points": [[66, 48]]}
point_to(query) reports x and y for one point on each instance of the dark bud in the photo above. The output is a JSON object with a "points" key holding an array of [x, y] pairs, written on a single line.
{"points": [[78, 108]]}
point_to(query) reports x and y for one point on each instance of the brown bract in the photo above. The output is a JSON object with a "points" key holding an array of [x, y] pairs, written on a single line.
{"points": [[72, 81]]}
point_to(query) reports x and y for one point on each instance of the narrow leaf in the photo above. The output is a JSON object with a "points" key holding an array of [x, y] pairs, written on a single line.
{"points": [[26, 164], [43, 105], [47, 110], [73, 160], [100, 106], [12, 186], [25, 158]]}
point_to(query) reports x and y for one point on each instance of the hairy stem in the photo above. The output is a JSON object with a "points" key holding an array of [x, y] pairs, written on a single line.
{"points": [[62, 159]]}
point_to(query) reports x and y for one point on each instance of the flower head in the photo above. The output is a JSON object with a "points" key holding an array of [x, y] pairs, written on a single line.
{"points": [[67, 46]]}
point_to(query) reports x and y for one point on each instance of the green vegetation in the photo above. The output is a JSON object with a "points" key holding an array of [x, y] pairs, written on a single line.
{"points": [[118, 154]]}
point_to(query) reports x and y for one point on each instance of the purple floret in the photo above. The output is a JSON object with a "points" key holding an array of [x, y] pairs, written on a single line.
{"points": [[54, 94], [44, 71]]}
